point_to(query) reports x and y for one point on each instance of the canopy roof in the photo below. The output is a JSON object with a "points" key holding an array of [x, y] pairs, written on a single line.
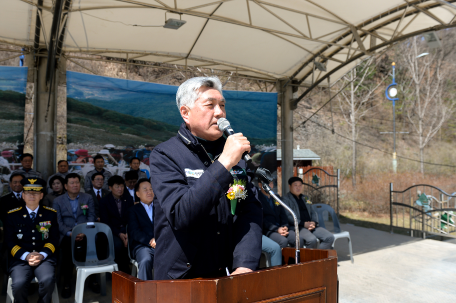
{"points": [[266, 39]]}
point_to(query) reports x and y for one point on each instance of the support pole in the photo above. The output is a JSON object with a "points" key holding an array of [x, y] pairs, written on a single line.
{"points": [[29, 110], [45, 132], [61, 113], [285, 98]]}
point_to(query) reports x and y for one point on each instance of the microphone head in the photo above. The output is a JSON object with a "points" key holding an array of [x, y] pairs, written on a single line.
{"points": [[264, 175], [222, 124]]}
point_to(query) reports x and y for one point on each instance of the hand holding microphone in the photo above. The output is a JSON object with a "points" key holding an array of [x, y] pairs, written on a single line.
{"points": [[235, 147]]}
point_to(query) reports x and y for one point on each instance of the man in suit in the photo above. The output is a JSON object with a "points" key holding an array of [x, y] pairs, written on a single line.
{"points": [[98, 162], [14, 198], [141, 229], [114, 212], [131, 177], [62, 167], [32, 238], [26, 169], [97, 192], [275, 220], [309, 231], [134, 166], [70, 213], [196, 231]]}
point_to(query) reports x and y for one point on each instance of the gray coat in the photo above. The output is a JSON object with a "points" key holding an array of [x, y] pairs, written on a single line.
{"points": [[88, 180], [30, 174], [65, 213], [290, 201]]}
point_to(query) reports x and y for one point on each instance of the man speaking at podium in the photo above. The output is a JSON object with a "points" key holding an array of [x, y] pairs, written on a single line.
{"points": [[196, 233]]}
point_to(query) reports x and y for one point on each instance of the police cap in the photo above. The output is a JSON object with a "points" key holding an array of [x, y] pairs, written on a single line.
{"points": [[33, 184]]}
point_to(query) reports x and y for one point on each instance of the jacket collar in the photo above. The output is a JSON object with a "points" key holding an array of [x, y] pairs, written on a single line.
{"points": [[187, 137], [192, 142]]}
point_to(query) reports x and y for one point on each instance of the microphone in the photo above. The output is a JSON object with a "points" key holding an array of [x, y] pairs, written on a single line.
{"points": [[225, 126], [265, 177]]}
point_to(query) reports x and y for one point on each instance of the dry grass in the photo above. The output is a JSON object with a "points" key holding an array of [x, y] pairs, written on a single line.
{"points": [[372, 192]]}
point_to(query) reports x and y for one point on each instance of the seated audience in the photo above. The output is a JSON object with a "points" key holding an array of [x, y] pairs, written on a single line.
{"points": [[8, 202], [56, 184], [69, 214], [26, 169], [141, 230], [272, 249], [99, 163], [134, 166], [275, 220], [62, 167], [309, 231], [114, 212], [131, 177], [14, 198], [97, 192], [32, 240]]}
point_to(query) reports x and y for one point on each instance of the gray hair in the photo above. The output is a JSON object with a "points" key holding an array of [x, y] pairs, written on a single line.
{"points": [[188, 91]]}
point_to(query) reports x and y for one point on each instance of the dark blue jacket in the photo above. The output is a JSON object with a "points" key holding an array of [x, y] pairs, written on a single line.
{"points": [[25, 236], [109, 214], [196, 233], [273, 218], [140, 228]]}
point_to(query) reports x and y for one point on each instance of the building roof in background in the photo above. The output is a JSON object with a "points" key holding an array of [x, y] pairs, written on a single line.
{"points": [[300, 154]]}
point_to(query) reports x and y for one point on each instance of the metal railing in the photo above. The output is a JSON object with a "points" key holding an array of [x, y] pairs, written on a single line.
{"points": [[424, 209], [321, 186]]}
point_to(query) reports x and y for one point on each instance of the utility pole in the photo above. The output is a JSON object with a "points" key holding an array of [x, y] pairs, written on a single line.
{"points": [[391, 93]]}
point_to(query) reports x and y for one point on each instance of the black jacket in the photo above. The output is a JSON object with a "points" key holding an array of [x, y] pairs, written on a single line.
{"points": [[7, 203], [140, 228], [104, 192], [196, 233], [25, 236], [109, 214], [273, 218]]}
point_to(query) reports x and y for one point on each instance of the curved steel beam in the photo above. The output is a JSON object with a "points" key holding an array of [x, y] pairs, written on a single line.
{"points": [[354, 58], [365, 32]]}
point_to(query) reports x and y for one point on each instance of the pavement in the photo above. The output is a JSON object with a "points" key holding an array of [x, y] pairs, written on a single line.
{"points": [[387, 268], [395, 268]]}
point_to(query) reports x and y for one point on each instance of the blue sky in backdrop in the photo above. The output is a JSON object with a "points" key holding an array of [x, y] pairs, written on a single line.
{"points": [[13, 78]]}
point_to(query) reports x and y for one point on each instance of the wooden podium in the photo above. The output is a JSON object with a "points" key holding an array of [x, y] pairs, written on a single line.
{"points": [[313, 280]]}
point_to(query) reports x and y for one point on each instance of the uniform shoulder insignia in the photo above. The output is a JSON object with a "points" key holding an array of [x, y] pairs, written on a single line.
{"points": [[50, 208], [16, 209]]}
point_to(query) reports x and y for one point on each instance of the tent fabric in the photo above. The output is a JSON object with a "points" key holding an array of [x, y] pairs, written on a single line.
{"points": [[265, 39]]}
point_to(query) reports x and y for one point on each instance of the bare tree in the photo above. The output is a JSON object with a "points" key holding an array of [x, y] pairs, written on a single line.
{"points": [[426, 95], [356, 100]]}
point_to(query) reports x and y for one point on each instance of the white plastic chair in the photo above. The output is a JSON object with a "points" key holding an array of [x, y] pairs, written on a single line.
{"points": [[267, 258], [9, 291], [135, 267], [338, 233], [92, 265]]}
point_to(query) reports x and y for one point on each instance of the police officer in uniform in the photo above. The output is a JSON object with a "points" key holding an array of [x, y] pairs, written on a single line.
{"points": [[33, 235]]}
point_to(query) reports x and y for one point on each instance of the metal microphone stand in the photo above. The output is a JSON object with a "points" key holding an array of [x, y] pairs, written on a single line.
{"points": [[269, 190]]}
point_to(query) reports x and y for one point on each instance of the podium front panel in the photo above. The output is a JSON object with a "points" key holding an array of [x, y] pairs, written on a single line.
{"points": [[314, 280]]}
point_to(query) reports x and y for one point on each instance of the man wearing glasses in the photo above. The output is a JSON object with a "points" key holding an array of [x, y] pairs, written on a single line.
{"points": [[33, 235]]}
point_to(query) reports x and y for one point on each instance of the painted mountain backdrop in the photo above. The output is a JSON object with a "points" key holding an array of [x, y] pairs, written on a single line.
{"points": [[252, 113]]}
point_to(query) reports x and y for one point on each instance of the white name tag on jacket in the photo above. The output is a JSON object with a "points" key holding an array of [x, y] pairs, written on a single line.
{"points": [[193, 173]]}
